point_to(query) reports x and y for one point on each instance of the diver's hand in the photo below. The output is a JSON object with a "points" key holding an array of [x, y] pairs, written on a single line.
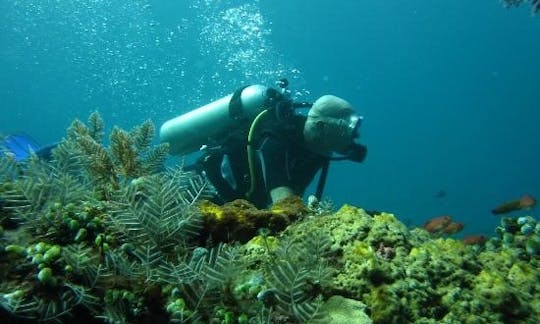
{"points": [[358, 153]]}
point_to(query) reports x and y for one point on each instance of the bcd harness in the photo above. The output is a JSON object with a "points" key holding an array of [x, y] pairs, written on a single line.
{"points": [[283, 109]]}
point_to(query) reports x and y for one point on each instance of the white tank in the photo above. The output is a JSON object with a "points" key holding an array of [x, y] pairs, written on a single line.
{"points": [[188, 132]]}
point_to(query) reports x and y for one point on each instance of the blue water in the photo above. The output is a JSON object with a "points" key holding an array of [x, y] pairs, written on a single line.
{"points": [[449, 90]]}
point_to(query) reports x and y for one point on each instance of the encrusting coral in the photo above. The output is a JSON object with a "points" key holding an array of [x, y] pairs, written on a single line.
{"points": [[240, 220], [107, 234], [406, 276]]}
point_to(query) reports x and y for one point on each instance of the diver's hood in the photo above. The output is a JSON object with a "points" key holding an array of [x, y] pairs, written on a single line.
{"points": [[331, 126]]}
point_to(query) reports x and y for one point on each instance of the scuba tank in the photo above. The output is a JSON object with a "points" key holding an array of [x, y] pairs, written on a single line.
{"points": [[210, 123]]}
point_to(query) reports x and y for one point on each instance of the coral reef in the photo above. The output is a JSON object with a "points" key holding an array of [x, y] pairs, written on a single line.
{"points": [[409, 276], [107, 234]]}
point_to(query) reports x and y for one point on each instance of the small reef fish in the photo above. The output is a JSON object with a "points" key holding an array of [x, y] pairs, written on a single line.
{"points": [[453, 228], [437, 224], [525, 202], [440, 194], [474, 239]]}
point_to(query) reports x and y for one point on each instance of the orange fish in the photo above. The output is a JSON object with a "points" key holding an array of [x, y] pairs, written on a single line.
{"points": [[474, 239], [525, 202], [437, 224], [453, 228]]}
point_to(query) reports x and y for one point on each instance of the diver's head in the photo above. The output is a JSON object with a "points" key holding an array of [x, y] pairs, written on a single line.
{"points": [[331, 126]]}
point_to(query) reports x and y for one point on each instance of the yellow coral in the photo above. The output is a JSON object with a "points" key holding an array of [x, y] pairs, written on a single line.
{"points": [[240, 220], [385, 217], [350, 210], [270, 242], [447, 246], [521, 275], [362, 249], [415, 252], [212, 209], [489, 280]]}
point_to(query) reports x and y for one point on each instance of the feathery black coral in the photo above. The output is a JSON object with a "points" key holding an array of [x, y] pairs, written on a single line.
{"points": [[129, 156], [153, 210], [97, 160], [214, 270], [297, 276], [118, 221], [27, 197], [8, 168], [293, 296], [84, 263], [96, 126], [124, 153]]}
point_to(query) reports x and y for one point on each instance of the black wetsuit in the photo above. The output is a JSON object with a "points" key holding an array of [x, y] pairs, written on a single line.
{"points": [[280, 159]]}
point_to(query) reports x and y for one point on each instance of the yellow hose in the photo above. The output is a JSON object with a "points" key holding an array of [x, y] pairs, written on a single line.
{"points": [[251, 152]]}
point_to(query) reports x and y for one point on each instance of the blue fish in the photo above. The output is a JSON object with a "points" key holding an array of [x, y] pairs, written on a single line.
{"points": [[21, 145]]}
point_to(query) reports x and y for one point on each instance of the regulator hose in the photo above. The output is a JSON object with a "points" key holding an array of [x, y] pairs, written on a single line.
{"points": [[251, 152]]}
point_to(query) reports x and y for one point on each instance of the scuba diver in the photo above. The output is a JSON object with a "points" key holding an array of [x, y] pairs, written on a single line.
{"points": [[259, 145]]}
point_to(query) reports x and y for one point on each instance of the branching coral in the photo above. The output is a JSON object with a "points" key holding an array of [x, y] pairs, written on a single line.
{"points": [[129, 156]]}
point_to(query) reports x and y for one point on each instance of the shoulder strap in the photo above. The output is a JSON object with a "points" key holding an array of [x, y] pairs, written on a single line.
{"points": [[235, 104]]}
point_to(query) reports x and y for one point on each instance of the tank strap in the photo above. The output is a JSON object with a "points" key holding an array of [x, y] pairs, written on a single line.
{"points": [[322, 179], [235, 104]]}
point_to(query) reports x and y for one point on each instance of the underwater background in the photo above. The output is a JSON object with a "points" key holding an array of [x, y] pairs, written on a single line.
{"points": [[448, 89]]}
